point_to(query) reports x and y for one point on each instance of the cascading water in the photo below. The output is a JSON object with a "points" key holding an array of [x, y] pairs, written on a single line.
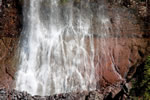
{"points": [[58, 49], [0, 6]]}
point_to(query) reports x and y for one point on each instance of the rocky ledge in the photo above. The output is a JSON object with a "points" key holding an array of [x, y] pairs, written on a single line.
{"points": [[6, 94], [15, 95]]}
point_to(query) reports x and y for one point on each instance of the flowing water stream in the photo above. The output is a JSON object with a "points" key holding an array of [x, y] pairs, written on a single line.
{"points": [[57, 50]]}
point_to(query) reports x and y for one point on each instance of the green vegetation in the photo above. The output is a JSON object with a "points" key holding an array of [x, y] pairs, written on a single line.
{"points": [[141, 83], [146, 80], [63, 1]]}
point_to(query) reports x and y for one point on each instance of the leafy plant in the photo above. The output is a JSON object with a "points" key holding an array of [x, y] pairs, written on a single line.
{"points": [[141, 83], [146, 80]]}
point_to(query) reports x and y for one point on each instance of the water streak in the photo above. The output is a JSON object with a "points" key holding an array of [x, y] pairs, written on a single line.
{"points": [[58, 50]]}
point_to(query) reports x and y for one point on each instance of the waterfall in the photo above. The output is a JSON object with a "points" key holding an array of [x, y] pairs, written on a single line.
{"points": [[57, 49], [0, 6]]}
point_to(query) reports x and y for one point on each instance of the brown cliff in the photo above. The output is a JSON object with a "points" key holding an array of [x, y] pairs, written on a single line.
{"points": [[10, 28]]}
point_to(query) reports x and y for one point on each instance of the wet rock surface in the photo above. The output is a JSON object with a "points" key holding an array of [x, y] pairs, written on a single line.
{"points": [[10, 27], [15, 95]]}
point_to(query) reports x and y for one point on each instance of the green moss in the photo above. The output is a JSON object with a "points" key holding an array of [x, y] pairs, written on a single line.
{"points": [[64, 1]]}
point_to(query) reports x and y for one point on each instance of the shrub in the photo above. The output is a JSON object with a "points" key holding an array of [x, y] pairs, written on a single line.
{"points": [[141, 83]]}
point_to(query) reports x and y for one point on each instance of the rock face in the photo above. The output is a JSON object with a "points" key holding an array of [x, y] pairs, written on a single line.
{"points": [[10, 27], [129, 48]]}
